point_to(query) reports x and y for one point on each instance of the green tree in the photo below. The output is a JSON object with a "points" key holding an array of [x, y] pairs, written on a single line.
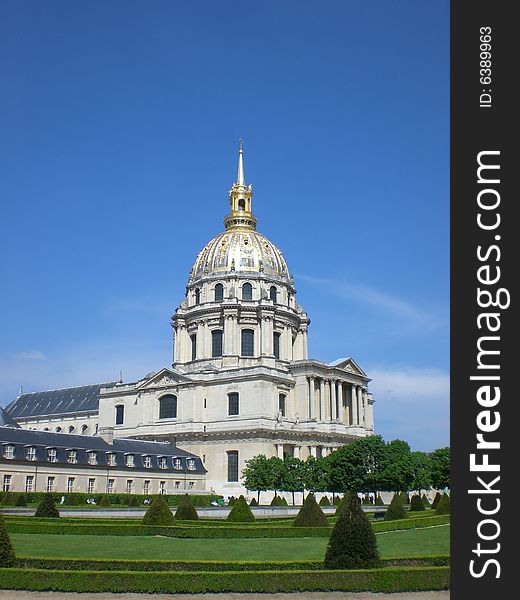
{"points": [[316, 474], [186, 511], [257, 475], [47, 507], [422, 477], [398, 467], [293, 479], [158, 513], [440, 466], [352, 543], [7, 556]]}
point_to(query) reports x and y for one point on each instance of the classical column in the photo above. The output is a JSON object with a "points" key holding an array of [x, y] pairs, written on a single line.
{"points": [[227, 335], [297, 451], [360, 405], [279, 450], [312, 399], [354, 405], [333, 401], [322, 399], [365, 409], [341, 412], [312, 451]]}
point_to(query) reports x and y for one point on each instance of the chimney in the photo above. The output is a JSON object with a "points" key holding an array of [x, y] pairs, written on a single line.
{"points": [[107, 434]]}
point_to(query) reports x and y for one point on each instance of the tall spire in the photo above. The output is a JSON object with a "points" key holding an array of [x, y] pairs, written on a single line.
{"points": [[240, 195], [240, 175]]}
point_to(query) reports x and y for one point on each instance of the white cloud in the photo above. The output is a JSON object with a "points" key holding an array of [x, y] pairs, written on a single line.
{"points": [[31, 355], [412, 404]]}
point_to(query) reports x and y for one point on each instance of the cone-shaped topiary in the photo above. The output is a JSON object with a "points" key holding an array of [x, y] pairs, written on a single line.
{"points": [[416, 503], [379, 501], [310, 514], [7, 499], [275, 501], [231, 501], [443, 508], [134, 501], [436, 500], [241, 513], [425, 500], [405, 497], [47, 507], [336, 501], [253, 502], [158, 513], [104, 500], [21, 500], [396, 509], [72, 500], [7, 557], [324, 501], [352, 543], [186, 511]]}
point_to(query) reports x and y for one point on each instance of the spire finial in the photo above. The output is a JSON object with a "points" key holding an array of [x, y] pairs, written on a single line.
{"points": [[240, 175]]}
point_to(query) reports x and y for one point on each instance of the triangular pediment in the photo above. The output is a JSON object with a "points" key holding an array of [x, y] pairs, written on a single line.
{"points": [[350, 365], [164, 378]]}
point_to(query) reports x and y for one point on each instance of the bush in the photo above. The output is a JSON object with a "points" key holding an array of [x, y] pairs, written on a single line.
{"points": [[134, 500], [231, 501], [436, 500], [71, 500], [405, 497], [20, 500], [47, 507], [104, 500], [416, 503], [7, 499], [396, 509], [158, 513], [425, 500], [352, 543], [186, 511], [337, 500], [379, 501], [324, 501], [241, 513], [366, 500], [253, 502], [443, 508], [310, 514], [7, 557]]}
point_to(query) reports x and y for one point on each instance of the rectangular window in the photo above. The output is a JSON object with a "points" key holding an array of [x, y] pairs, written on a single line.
{"points": [[9, 451], [91, 458], [50, 484], [177, 485], [163, 462], [120, 414], [190, 463], [29, 483], [147, 462], [30, 453], [177, 463], [193, 346], [190, 484], [111, 459], [6, 484], [276, 344], [129, 485], [162, 487], [281, 404], [111, 486], [248, 342], [91, 486], [70, 484], [130, 460], [216, 343], [52, 455], [233, 404], [72, 456], [232, 457], [146, 487]]}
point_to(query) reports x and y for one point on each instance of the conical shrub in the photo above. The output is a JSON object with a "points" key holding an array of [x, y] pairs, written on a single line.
{"points": [[416, 503], [443, 508], [186, 511], [47, 507], [241, 513], [21, 500], [7, 556], [352, 543], [396, 509], [379, 501], [72, 500], [337, 500], [425, 500], [276, 501], [158, 513], [253, 502], [310, 514], [436, 500], [104, 501], [324, 501]]}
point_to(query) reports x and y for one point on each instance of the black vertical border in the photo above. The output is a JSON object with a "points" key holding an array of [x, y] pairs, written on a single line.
{"points": [[475, 129]]}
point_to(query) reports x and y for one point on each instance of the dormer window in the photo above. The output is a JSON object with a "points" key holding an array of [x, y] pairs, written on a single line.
{"points": [[177, 464], [147, 462], [163, 463], [111, 459], [52, 455], [30, 453], [9, 451], [190, 463], [92, 458], [72, 456], [129, 460]]}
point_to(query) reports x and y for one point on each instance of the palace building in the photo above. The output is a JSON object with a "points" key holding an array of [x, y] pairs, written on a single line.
{"points": [[241, 383]]}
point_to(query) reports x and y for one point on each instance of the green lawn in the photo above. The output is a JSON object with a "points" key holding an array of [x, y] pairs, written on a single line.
{"points": [[415, 542]]}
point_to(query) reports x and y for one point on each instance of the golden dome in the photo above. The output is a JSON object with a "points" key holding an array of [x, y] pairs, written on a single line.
{"points": [[240, 250]]}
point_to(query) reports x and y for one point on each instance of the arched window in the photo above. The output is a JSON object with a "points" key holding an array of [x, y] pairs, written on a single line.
{"points": [[273, 293], [197, 296], [168, 407], [120, 414], [276, 344], [281, 404], [241, 204], [248, 342], [84, 429], [193, 346], [219, 292], [247, 291], [233, 403], [216, 343]]}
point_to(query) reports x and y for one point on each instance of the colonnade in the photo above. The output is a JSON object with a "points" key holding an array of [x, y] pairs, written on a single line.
{"points": [[332, 399], [298, 451]]}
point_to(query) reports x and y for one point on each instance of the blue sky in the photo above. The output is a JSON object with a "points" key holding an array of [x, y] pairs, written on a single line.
{"points": [[119, 124]]}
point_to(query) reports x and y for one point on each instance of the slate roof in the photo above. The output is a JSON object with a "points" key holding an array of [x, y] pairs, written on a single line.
{"points": [[56, 402], [6, 421], [43, 440]]}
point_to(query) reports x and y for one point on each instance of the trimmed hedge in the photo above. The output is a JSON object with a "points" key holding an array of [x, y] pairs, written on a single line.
{"points": [[47, 507], [410, 523], [7, 556], [416, 504], [443, 507], [310, 514], [186, 511], [396, 509], [375, 580], [241, 513], [107, 564], [158, 513]]}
